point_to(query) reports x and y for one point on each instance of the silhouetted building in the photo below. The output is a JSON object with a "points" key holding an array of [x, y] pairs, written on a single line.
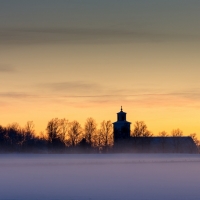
{"points": [[124, 143], [155, 145], [122, 128]]}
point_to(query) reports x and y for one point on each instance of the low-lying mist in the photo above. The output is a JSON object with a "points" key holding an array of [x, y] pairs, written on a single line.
{"points": [[102, 176]]}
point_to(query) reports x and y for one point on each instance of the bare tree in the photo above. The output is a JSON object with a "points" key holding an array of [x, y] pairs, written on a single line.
{"points": [[53, 129], [195, 139], [163, 134], [63, 129], [98, 139], [140, 130], [90, 129], [43, 136], [75, 133], [30, 128], [177, 133], [29, 131], [107, 131], [28, 134], [14, 135], [2, 134]]}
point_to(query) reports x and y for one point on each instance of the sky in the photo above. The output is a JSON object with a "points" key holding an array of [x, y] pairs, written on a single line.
{"points": [[76, 59]]}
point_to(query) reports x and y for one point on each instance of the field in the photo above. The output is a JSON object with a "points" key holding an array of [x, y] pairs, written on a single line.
{"points": [[103, 176]]}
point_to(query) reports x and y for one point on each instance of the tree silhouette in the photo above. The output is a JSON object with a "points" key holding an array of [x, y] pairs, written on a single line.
{"points": [[75, 133], [106, 130], [163, 134], [194, 137], [90, 129], [28, 135], [140, 130], [98, 139], [177, 133], [29, 128], [196, 141], [14, 136], [53, 130], [2, 137], [60, 134], [63, 129]]}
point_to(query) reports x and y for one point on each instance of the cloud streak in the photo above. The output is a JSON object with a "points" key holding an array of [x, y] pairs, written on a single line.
{"points": [[85, 36], [83, 89], [79, 94], [17, 95], [72, 87], [7, 69]]}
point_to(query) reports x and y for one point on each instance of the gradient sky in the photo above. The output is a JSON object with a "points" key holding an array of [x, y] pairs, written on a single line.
{"points": [[79, 59]]}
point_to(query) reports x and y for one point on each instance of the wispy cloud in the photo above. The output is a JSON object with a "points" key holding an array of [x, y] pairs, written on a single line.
{"points": [[86, 94], [7, 69], [83, 89], [85, 36], [17, 95], [72, 87]]}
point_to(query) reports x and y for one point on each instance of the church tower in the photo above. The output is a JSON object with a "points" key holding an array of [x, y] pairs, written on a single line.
{"points": [[122, 128]]}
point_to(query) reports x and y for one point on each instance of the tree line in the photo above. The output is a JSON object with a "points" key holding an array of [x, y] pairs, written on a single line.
{"points": [[62, 135], [62, 131]]}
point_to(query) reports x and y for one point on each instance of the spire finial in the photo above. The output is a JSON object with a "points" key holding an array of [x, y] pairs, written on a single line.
{"points": [[121, 109]]}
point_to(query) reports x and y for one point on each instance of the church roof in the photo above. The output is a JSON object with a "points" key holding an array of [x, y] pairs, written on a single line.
{"points": [[156, 145]]}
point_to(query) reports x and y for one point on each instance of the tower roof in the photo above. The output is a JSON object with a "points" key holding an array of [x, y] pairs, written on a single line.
{"points": [[121, 111]]}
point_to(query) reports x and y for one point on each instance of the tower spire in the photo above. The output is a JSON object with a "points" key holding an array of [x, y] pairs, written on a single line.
{"points": [[121, 126]]}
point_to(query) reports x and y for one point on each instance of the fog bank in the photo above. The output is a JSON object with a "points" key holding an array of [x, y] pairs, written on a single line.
{"points": [[108, 176]]}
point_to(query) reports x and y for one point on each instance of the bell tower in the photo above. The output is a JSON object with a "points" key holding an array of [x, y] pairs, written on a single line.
{"points": [[122, 128], [121, 116]]}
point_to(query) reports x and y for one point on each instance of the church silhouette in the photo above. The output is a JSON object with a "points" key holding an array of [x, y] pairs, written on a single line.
{"points": [[124, 143], [122, 128]]}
